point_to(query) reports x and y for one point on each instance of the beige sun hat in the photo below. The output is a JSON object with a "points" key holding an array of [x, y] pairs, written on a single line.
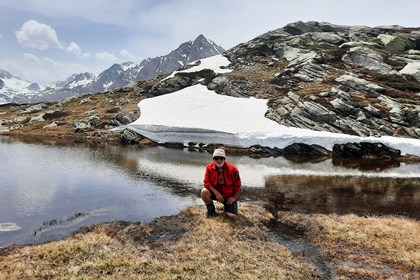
{"points": [[219, 153]]}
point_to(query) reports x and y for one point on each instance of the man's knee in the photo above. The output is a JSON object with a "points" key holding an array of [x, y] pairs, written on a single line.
{"points": [[206, 195]]}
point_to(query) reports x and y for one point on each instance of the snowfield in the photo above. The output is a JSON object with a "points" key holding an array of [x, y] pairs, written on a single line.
{"points": [[196, 114]]}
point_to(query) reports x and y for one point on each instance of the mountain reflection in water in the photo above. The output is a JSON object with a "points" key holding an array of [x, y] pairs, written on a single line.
{"points": [[45, 184]]}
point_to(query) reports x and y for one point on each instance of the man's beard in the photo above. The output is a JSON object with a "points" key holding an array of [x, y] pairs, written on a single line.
{"points": [[220, 164]]}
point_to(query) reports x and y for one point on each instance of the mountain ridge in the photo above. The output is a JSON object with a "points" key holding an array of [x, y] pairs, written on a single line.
{"points": [[116, 76]]}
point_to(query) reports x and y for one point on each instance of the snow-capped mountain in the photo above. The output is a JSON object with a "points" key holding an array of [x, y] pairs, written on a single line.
{"points": [[187, 52], [116, 76], [15, 90]]}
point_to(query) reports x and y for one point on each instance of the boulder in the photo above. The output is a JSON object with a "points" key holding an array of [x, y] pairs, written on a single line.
{"points": [[413, 69], [365, 150], [38, 118], [301, 27], [171, 85], [367, 58], [258, 151], [81, 126], [394, 44], [124, 118], [130, 137], [301, 149]]}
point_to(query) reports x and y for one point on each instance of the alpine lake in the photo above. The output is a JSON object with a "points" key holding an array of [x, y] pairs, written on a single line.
{"points": [[51, 188]]}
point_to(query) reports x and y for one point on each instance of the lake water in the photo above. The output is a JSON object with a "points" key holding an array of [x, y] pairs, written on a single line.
{"points": [[50, 189]]}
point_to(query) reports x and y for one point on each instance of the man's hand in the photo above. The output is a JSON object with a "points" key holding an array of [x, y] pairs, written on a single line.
{"points": [[230, 200], [219, 197]]}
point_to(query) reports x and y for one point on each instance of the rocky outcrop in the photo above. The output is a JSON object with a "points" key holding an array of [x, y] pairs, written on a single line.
{"points": [[365, 150], [305, 150], [182, 80]]}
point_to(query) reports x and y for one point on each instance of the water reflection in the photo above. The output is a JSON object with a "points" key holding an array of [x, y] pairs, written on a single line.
{"points": [[367, 164], [347, 194], [46, 181]]}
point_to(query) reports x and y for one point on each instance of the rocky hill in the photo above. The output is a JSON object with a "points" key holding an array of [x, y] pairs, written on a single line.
{"points": [[355, 80], [350, 79]]}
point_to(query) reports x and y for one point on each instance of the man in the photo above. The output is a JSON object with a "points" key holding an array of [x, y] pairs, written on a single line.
{"points": [[221, 183]]}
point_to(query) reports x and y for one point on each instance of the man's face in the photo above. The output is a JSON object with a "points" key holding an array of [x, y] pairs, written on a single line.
{"points": [[219, 161]]}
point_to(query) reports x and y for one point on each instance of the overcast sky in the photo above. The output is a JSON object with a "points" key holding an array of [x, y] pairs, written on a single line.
{"points": [[48, 40]]}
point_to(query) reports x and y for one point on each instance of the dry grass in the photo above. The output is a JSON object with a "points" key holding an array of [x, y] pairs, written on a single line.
{"points": [[365, 247], [258, 78], [186, 246], [190, 246], [106, 106]]}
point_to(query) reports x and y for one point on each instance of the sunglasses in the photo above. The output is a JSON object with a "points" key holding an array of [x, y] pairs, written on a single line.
{"points": [[218, 158]]}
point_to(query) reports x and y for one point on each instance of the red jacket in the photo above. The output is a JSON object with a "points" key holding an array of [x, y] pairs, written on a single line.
{"points": [[232, 179]]}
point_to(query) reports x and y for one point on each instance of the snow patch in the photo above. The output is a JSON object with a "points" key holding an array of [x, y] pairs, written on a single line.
{"points": [[214, 63], [196, 114]]}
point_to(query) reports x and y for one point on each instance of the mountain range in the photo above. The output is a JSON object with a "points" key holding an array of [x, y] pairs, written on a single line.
{"points": [[353, 80], [15, 90]]}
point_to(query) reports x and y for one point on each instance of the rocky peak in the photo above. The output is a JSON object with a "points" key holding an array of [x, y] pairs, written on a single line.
{"points": [[187, 52], [202, 47]]}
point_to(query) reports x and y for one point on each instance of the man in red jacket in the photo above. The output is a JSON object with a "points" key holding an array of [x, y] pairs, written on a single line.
{"points": [[221, 183]]}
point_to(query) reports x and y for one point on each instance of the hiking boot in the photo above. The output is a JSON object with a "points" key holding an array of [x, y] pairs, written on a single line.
{"points": [[211, 210]]}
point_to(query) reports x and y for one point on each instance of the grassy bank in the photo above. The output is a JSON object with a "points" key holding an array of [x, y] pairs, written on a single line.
{"points": [[364, 247], [190, 246]]}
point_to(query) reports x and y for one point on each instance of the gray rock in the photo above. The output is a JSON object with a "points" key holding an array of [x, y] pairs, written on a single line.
{"points": [[365, 149], [413, 69], [124, 118], [394, 44], [358, 84], [373, 111], [302, 149], [51, 125], [130, 137], [15, 127], [171, 85], [343, 107], [315, 111], [353, 44], [33, 108], [218, 83], [367, 58], [81, 126], [38, 118], [316, 38]]}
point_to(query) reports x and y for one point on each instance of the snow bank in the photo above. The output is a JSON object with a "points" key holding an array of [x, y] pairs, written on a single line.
{"points": [[196, 114]]}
